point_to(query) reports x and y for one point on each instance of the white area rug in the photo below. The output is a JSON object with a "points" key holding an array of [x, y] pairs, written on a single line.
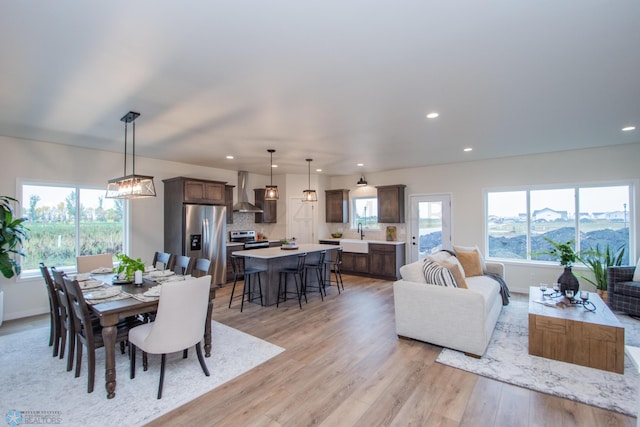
{"points": [[32, 380], [507, 359]]}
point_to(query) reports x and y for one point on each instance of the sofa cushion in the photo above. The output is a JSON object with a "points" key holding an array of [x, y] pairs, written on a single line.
{"points": [[630, 289], [453, 265], [471, 260], [439, 256], [413, 272], [436, 274]]}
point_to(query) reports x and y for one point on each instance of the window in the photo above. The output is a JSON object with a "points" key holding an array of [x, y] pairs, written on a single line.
{"points": [[519, 221], [365, 212], [68, 221]]}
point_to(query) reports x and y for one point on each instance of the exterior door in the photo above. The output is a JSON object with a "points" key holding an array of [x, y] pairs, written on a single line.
{"points": [[430, 219]]}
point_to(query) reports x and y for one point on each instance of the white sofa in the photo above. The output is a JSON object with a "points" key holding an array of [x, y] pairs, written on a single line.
{"points": [[456, 318]]}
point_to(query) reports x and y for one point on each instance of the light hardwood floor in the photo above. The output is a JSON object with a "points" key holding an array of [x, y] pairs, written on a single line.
{"points": [[344, 366]]}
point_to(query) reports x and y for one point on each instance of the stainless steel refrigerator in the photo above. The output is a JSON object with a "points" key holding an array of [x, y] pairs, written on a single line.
{"points": [[203, 235]]}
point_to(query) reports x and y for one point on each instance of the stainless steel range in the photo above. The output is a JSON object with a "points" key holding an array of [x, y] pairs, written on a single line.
{"points": [[248, 237]]}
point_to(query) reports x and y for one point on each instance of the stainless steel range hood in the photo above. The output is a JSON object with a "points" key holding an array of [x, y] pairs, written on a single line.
{"points": [[243, 204]]}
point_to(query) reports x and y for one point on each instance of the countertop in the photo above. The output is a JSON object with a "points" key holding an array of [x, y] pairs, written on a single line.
{"points": [[375, 242], [277, 252]]}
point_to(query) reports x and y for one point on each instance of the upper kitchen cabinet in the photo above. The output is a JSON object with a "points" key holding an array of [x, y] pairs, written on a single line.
{"points": [[391, 203], [269, 214], [190, 190], [228, 200], [337, 206]]}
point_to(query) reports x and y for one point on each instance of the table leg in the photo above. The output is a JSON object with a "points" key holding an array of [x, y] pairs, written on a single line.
{"points": [[207, 330], [109, 338]]}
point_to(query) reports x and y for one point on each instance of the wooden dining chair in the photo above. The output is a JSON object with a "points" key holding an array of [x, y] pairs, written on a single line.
{"points": [[179, 324], [88, 331], [200, 267], [166, 259], [54, 310], [88, 263], [183, 264], [67, 331]]}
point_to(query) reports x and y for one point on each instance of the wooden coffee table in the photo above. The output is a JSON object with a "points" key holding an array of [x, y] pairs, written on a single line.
{"points": [[575, 335]]}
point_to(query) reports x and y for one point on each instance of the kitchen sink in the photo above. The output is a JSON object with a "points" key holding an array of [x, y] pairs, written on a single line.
{"points": [[354, 245]]}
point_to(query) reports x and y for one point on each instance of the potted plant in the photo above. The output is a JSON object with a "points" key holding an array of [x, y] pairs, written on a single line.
{"points": [[12, 233], [567, 256], [598, 263], [127, 267]]}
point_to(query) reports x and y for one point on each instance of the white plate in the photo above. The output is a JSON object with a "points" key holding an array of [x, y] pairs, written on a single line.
{"points": [[106, 293], [90, 284], [153, 292], [164, 273], [102, 270], [80, 277]]}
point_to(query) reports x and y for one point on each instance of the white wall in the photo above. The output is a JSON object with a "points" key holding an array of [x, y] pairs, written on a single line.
{"points": [[31, 160], [39, 161], [467, 181]]}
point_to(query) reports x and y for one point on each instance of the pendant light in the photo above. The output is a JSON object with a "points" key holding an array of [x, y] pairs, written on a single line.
{"points": [[309, 195], [130, 186], [362, 182], [271, 192]]}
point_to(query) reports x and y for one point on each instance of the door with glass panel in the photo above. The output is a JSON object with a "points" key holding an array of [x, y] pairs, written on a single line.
{"points": [[430, 219]]}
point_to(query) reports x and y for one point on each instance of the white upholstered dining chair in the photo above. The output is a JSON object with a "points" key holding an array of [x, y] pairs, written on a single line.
{"points": [[87, 263], [179, 323]]}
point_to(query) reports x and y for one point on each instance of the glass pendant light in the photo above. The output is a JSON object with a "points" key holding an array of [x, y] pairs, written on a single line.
{"points": [[271, 192], [130, 186], [309, 195]]}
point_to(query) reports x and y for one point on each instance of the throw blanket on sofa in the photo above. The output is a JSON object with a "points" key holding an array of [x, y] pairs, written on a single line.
{"points": [[504, 289]]}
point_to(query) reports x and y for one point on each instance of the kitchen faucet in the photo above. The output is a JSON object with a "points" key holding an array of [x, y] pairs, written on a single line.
{"points": [[361, 231]]}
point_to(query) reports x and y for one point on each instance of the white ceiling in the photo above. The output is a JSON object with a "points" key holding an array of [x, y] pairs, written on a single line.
{"points": [[341, 82]]}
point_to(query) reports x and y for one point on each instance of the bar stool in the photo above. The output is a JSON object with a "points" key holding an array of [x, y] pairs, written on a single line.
{"points": [[318, 267], [335, 267], [238, 265], [298, 273]]}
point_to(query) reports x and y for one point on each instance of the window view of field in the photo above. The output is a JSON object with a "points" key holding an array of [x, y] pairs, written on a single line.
{"points": [[515, 232], [65, 222]]}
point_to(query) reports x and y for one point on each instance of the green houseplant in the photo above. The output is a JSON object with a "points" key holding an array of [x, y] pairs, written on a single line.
{"points": [[598, 262], [128, 266], [12, 233], [567, 256]]}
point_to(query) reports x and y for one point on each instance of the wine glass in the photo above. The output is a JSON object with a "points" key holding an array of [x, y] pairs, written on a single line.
{"points": [[569, 293], [543, 288], [584, 295], [556, 287]]}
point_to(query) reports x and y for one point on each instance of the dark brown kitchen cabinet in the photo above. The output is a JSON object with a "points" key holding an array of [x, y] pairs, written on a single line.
{"points": [[353, 262], [228, 200], [391, 203], [269, 208], [337, 206], [190, 190], [385, 260]]}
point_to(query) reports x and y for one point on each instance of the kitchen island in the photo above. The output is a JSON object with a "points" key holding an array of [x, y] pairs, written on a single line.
{"points": [[275, 259]]}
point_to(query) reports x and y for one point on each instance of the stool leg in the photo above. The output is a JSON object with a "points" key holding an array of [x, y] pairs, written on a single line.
{"points": [[260, 290]]}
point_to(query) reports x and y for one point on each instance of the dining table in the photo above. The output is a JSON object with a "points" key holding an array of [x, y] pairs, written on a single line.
{"points": [[131, 300]]}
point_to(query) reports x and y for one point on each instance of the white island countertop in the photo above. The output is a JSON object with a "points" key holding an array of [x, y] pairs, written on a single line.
{"points": [[277, 252]]}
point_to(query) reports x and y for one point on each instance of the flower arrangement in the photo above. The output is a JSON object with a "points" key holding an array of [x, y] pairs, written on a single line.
{"points": [[129, 266]]}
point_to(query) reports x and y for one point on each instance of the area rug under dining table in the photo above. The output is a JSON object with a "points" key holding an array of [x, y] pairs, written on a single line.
{"points": [[507, 359], [35, 384]]}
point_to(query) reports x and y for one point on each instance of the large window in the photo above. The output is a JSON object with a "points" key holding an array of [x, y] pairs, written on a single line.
{"points": [[519, 221], [67, 221], [365, 212]]}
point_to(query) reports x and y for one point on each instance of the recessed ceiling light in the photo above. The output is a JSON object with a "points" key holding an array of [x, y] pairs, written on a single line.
{"points": [[628, 128], [360, 164], [229, 157], [468, 149], [274, 166], [318, 170], [433, 115]]}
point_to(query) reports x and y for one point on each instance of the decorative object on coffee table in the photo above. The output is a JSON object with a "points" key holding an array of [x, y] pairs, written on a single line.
{"points": [[567, 256], [599, 262]]}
